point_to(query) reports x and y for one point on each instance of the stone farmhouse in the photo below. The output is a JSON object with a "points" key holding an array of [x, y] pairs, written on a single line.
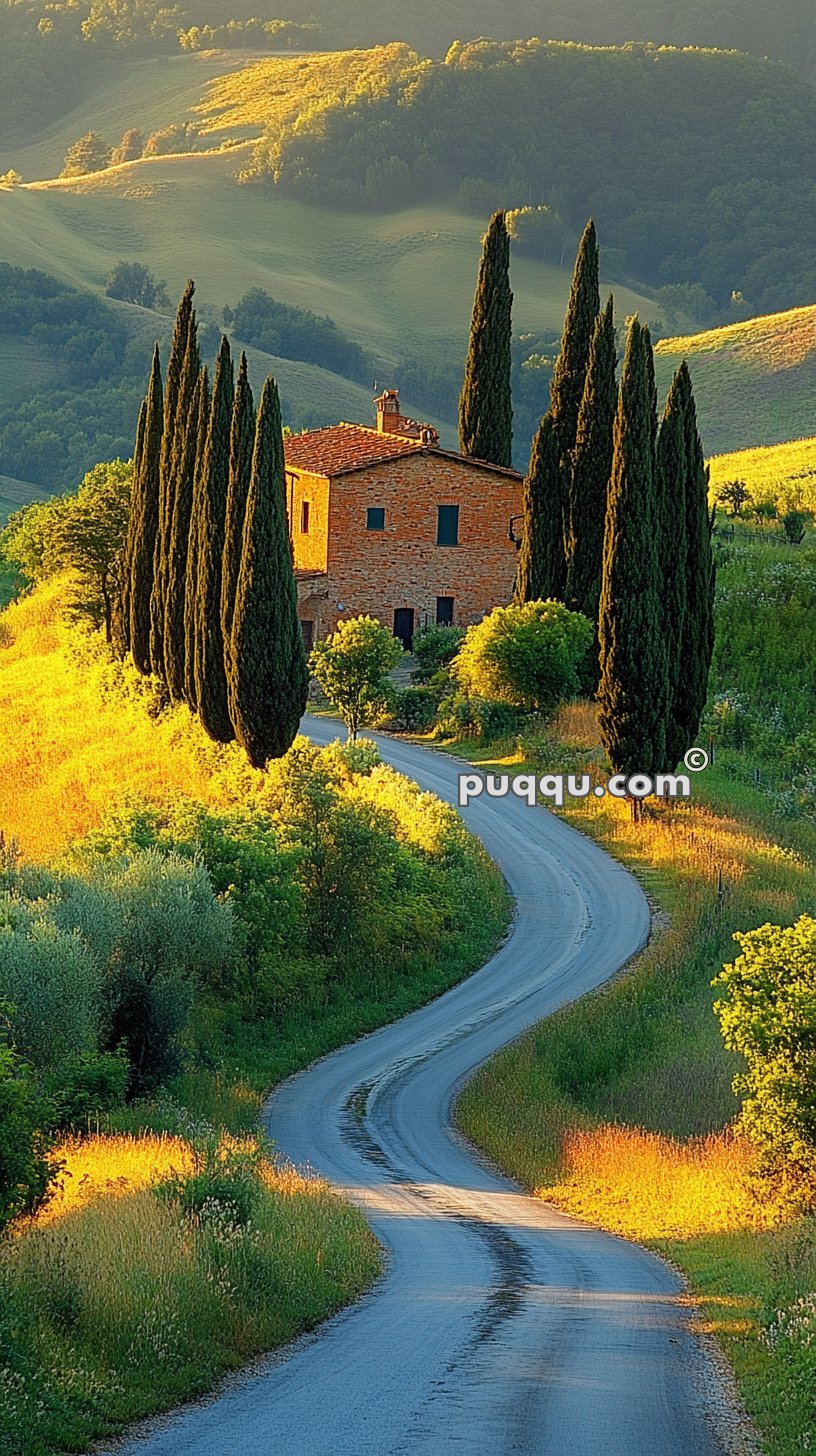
{"points": [[386, 522]]}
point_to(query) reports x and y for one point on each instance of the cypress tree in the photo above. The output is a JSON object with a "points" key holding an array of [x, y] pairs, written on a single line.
{"points": [[634, 684], [211, 698], [698, 633], [193, 550], [591, 469], [270, 682], [485, 404], [134, 515], [542, 567], [242, 443], [569, 375], [181, 502], [672, 481], [145, 521], [175, 421]]}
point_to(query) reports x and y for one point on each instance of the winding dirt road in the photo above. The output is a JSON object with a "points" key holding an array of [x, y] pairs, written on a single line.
{"points": [[500, 1326]]}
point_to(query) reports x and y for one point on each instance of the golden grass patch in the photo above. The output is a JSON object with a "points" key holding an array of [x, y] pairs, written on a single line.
{"points": [[647, 1186]]}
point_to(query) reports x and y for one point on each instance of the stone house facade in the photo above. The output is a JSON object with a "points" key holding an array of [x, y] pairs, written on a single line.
{"points": [[386, 522]]}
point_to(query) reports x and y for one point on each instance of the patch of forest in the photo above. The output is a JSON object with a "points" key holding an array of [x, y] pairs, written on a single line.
{"points": [[699, 164]]}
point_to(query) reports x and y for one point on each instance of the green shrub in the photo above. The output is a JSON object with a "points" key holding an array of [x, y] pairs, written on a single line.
{"points": [[768, 1014], [533, 656], [53, 985], [435, 648], [25, 1169], [494, 720], [85, 1086], [414, 710]]}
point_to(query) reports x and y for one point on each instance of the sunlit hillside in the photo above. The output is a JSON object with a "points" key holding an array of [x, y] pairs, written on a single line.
{"points": [[755, 382], [784, 474], [275, 92], [57, 776], [146, 94]]}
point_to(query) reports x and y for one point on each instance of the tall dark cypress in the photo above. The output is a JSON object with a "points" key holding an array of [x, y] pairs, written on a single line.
{"points": [[268, 693], [193, 549], [134, 517], [569, 375], [541, 566], [591, 469], [242, 444], [672, 484], [145, 521], [176, 420], [698, 634], [485, 404], [184, 468], [634, 685], [211, 699]]}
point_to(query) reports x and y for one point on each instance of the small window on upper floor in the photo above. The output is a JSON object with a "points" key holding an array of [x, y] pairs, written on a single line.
{"points": [[375, 518], [447, 526], [304, 518]]}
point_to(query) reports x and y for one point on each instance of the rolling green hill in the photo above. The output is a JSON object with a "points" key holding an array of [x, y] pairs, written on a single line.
{"points": [[14, 494], [397, 283], [755, 382], [147, 93]]}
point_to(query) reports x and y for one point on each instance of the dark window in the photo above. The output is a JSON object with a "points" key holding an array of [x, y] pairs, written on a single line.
{"points": [[304, 518], [307, 628], [444, 611], [447, 526], [375, 518]]}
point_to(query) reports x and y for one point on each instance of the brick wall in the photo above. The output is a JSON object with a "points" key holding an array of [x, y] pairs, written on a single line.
{"points": [[402, 567]]}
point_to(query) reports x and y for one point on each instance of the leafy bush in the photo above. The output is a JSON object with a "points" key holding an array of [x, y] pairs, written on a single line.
{"points": [[414, 710], [768, 1014], [532, 656], [25, 1169], [85, 1085], [435, 648], [494, 719], [794, 524]]}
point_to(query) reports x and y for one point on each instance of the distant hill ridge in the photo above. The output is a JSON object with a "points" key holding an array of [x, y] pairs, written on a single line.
{"points": [[755, 382]]}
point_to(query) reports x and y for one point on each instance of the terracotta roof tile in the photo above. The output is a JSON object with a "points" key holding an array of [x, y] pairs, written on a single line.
{"points": [[338, 449]]}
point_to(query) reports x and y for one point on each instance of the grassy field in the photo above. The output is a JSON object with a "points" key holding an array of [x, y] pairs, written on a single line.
{"points": [[146, 94], [754, 382], [784, 474], [398, 283], [14, 494]]}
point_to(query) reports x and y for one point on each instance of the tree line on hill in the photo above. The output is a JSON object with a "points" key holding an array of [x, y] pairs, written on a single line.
{"points": [[616, 518], [209, 602], [81, 366], [699, 164]]}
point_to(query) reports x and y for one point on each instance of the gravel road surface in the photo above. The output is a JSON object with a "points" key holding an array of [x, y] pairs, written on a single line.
{"points": [[500, 1326]]}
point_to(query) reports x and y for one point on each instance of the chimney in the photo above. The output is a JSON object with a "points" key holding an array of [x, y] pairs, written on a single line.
{"points": [[389, 419]]}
